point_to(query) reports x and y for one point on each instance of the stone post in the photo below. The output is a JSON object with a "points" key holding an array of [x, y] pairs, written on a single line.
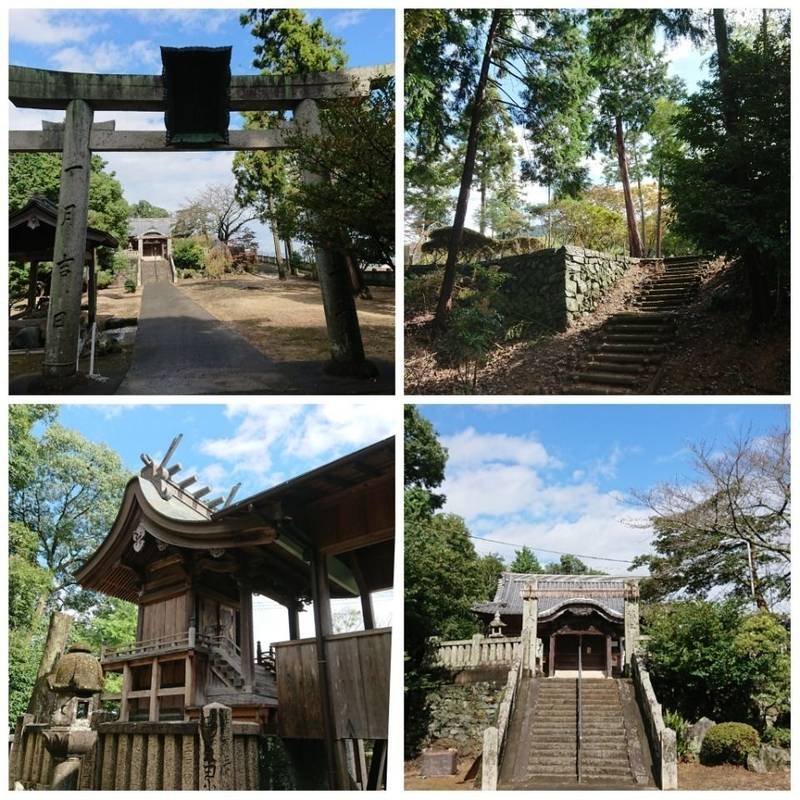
{"points": [[344, 332], [475, 650], [530, 616], [491, 747], [631, 621], [64, 313], [216, 756], [15, 756]]}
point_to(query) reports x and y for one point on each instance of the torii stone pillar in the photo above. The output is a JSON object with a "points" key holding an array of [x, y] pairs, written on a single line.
{"points": [[530, 616], [631, 621], [64, 313], [347, 349]]}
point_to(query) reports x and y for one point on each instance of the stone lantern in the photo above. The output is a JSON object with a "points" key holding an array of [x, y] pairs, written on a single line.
{"points": [[496, 627], [76, 683]]}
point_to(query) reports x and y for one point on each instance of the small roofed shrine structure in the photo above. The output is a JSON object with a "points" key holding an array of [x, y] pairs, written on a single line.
{"points": [[32, 238], [192, 565], [561, 615]]}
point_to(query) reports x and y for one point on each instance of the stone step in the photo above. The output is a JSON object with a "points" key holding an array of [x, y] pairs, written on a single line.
{"points": [[618, 359], [632, 348], [634, 338], [629, 327], [606, 378], [596, 388]]}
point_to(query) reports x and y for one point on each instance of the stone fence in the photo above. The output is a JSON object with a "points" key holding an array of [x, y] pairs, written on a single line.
{"points": [[494, 737], [479, 651], [663, 745], [214, 754], [554, 288]]}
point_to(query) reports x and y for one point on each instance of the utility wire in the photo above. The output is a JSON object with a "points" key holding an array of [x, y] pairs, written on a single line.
{"points": [[552, 552]]}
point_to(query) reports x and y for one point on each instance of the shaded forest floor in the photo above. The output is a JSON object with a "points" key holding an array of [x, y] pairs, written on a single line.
{"points": [[713, 352]]}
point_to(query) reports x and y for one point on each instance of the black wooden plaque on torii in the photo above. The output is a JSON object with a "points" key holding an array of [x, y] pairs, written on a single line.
{"points": [[197, 94]]}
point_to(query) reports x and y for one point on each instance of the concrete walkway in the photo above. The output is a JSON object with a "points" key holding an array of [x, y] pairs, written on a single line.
{"points": [[181, 349]]}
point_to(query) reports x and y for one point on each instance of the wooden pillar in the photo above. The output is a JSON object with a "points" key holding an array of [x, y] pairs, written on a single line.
{"points": [[367, 612], [344, 332], [608, 656], [33, 275], [155, 675], [551, 670], [246, 643], [63, 316], [321, 599], [188, 683], [294, 622], [125, 703]]}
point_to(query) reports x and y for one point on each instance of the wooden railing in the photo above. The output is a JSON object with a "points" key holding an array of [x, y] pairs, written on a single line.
{"points": [[147, 647], [479, 651]]}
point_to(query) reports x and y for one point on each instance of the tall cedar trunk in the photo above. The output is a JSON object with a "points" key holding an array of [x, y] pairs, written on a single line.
{"points": [[276, 241], [287, 248], [658, 211], [449, 279], [759, 299], [41, 702], [634, 242], [641, 200], [483, 208]]}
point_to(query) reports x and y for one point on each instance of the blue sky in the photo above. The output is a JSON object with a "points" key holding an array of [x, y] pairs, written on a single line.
{"points": [[256, 443], [127, 41], [560, 477]]}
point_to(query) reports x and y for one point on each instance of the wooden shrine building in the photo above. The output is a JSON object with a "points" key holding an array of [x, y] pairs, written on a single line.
{"points": [[192, 566], [597, 615], [32, 240]]}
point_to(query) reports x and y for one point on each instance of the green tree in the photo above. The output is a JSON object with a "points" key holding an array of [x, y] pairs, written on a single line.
{"points": [[712, 659], [490, 566], [571, 565], [730, 188], [145, 210], [287, 43], [525, 560], [425, 458], [23, 446], [630, 76], [69, 503]]}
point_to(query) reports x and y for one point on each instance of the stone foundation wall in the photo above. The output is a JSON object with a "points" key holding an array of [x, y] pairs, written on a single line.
{"points": [[553, 288], [460, 713]]}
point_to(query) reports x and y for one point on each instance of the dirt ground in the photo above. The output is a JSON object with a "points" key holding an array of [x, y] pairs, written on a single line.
{"points": [[690, 776], [285, 319], [726, 777], [714, 352]]}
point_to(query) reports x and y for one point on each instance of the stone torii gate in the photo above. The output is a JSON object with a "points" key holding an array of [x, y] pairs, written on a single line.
{"points": [[204, 95]]}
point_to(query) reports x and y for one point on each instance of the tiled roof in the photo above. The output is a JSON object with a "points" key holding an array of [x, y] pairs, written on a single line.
{"points": [[138, 226], [556, 590]]}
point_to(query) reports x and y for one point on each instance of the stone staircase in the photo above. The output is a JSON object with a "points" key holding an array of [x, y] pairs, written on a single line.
{"points": [[542, 752], [156, 270], [630, 347]]}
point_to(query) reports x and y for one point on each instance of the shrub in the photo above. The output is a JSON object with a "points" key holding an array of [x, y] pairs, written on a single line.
{"points": [[187, 274], [674, 720], [104, 279], [218, 262], [422, 292], [130, 285], [120, 263], [779, 737], [188, 254], [729, 743], [470, 334]]}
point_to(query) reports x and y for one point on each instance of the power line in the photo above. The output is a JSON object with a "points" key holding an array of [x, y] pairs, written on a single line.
{"points": [[551, 552]]}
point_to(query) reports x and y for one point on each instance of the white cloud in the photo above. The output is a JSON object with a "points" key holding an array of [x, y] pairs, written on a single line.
{"points": [[347, 19], [206, 20], [492, 489], [100, 57], [309, 433], [470, 448], [47, 27]]}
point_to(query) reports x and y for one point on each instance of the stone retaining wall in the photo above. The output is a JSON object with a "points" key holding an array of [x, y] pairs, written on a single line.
{"points": [[553, 288], [460, 713]]}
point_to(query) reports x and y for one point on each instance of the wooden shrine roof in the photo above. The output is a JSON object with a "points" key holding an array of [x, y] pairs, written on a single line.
{"points": [[32, 232]]}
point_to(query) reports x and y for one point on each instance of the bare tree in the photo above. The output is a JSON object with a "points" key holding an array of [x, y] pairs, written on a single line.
{"points": [[215, 212], [727, 529]]}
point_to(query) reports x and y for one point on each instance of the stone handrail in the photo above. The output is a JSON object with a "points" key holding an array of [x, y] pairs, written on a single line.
{"points": [[494, 737], [663, 745], [479, 651]]}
